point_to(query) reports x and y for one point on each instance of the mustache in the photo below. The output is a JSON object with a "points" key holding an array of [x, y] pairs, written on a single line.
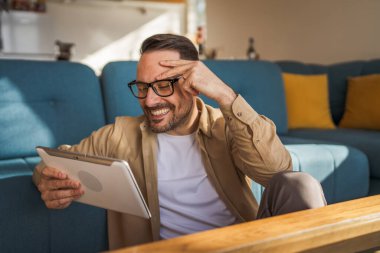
{"points": [[159, 106]]}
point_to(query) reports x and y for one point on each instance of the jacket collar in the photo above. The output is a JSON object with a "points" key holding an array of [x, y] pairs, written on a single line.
{"points": [[204, 120]]}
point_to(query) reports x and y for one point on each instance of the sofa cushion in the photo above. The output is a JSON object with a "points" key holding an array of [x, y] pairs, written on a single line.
{"points": [[338, 74], [345, 179], [46, 103], [366, 141], [78, 228], [259, 82], [18, 166], [343, 171], [307, 101], [362, 103], [14, 167], [118, 99], [26, 220]]}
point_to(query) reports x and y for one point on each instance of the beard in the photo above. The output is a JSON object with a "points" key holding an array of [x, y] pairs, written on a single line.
{"points": [[177, 118]]}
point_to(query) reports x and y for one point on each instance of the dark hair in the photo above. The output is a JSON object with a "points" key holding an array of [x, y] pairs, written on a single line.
{"points": [[178, 43]]}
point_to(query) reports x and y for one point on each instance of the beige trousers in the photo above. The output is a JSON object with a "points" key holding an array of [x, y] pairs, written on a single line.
{"points": [[290, 192]]}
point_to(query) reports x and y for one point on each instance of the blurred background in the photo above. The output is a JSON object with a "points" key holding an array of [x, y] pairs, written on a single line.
{"points": [[95, 32]]}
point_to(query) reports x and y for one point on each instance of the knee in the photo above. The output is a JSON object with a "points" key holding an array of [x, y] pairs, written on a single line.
{"points": [[301, 185], [295, 180]]}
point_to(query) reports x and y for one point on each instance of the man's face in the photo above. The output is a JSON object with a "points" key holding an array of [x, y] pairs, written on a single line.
{"points": [[164, 114]]}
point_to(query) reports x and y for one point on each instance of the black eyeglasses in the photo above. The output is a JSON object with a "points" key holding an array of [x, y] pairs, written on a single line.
{"points": [[163, 88]]}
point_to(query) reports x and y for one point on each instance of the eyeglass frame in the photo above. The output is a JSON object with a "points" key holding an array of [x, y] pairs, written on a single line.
{"points": [[172, 81]]}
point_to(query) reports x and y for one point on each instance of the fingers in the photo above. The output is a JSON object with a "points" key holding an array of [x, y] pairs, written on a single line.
{"points": [[61, 194], [59, 203], [177, 68], [174, 63], [189, 86], [52, 184], [58, 199], [52, 173], [57, 190], [184, 69], [198, 78]]}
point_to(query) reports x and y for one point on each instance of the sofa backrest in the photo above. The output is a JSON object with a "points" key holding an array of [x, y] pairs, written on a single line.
{"points": [[259, 82], [118, 99], [46, 103], [337, 77]]}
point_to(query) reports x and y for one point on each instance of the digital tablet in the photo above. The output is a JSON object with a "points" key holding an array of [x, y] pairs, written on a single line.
{"points": [[107, 183]]}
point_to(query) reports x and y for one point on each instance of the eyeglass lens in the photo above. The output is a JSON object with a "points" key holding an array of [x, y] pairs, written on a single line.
{"points": [[161, 88]]}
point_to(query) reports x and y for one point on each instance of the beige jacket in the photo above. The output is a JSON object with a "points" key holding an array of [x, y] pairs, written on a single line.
{"points": [[234, 143]]}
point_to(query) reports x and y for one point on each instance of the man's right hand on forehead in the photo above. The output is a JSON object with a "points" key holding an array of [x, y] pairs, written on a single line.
{"points": [[199, 78]]}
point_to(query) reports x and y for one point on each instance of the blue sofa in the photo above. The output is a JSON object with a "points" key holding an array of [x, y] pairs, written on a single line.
{"points": [[51, 103], [45, 103], [367, 141]]}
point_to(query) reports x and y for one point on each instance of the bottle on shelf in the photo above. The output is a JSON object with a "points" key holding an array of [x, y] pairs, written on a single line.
{"points": [[200, 41], [251, 52]]}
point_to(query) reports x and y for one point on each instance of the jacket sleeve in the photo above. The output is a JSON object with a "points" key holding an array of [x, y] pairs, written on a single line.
{"points": [[255, 147], [98, 144]]}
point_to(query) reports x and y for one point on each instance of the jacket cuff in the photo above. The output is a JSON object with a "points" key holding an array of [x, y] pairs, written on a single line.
{"points": [[239, 112]]}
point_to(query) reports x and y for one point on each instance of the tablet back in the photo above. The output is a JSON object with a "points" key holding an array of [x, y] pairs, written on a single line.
{"points": [[107, 183]]}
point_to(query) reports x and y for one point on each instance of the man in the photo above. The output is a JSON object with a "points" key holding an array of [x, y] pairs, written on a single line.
{"points": [[189, 159]]}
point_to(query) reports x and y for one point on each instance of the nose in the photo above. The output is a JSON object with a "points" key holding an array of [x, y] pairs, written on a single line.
{"points": [[151, 98]]}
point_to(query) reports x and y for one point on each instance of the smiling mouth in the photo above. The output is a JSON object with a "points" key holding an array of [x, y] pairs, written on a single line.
{"points": [[159, 112]]}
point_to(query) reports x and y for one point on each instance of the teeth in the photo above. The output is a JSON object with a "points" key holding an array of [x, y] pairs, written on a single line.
{"points": [[159, 112]]}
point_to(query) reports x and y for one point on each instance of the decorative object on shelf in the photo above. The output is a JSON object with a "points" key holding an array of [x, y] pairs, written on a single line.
{"points": [[200, 40], [3, 7], [39, 6], [211, 54], [28, 5], [21, 5], [64, 50], [251, 52]]}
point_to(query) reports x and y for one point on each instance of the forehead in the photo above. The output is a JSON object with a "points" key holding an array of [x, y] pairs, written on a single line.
{"points": [[149, 64]]}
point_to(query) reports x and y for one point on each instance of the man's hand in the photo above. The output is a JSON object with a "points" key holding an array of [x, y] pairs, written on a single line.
{"points": [[199, 79], [57, 189]]}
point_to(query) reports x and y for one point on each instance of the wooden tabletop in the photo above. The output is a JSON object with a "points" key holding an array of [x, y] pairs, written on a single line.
{"points": [[343, 227]]}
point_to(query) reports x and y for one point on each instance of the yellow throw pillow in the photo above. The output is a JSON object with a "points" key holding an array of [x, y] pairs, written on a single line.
{"points": [[307, 101], [362, 103]]}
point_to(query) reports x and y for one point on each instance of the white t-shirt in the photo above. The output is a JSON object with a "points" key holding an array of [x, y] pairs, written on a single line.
{"points": [[188, 201]]}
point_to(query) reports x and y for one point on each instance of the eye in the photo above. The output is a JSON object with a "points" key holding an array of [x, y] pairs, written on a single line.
{"points": [[142, 87], [175, 80], [165, 85]]}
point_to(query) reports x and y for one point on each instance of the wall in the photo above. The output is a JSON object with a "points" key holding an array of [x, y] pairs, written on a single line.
{"points": [[102, 31], [318, 31]]}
